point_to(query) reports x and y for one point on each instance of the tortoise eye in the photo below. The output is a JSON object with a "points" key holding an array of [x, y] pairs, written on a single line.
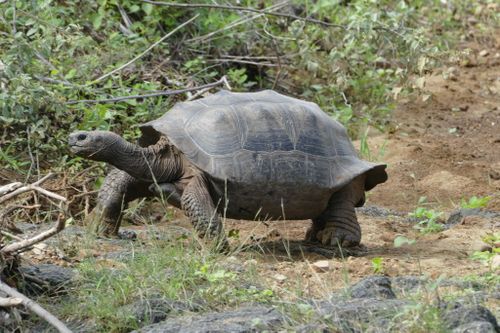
{"points": [[81, 137]]}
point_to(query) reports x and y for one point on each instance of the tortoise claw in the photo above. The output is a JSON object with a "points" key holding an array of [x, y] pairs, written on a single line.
{"points": [[337, 237]]}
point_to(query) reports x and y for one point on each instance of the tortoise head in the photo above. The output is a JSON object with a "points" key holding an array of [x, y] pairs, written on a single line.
{"points": [[94, 145]]}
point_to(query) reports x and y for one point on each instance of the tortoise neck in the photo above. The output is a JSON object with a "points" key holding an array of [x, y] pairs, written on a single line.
{"points": [[160, 162]]}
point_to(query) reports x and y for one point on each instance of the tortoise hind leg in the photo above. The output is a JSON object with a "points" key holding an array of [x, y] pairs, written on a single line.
{"points": [[338, 224], [200, 209], [118, 189]]}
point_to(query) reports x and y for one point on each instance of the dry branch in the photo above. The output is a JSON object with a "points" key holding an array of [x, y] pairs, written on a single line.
{"points": [[10, 301], [17, 246], [36, 308], [31, 187], [223, 80], [244, 9]]}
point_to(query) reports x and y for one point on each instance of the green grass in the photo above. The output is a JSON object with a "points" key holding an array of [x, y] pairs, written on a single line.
{"points": [[171, 269]]}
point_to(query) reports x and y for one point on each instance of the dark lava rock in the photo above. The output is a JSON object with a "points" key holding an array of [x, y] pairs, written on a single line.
{"points": [[312, 328], [475, 327], [373, 287], [457, 216], [376, 211], [247, 319], [358, 315], [407, 284], [155, 309], [48, 279], [459, 315]]}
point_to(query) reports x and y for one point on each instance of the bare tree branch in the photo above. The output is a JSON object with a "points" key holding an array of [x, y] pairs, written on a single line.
{"points": [[36, 308], [10, 187], [10, 301], [30, 187], [244, 9], [17, 246], [223, 80]]}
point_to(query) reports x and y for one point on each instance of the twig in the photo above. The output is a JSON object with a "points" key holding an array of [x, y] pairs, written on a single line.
{"points": [[36, 308], [241, 61], [223, 80], [10, 301], [33, 187], [244, 9], [236, 23], [10, 187], [8, 234], [145, 51], [17, 246]]}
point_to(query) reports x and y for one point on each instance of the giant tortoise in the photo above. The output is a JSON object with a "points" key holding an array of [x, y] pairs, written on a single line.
{"points": [[246, 156]]}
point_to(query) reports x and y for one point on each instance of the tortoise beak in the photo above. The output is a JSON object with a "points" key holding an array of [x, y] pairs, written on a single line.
{"points": [[78, 140]]}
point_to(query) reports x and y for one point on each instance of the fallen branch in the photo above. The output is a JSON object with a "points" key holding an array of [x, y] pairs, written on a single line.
{"points": [[36, 308], [145, 51], [32, 187], [10, 301], [223, 80], [17, 246], [244, 9], [10, 187]]}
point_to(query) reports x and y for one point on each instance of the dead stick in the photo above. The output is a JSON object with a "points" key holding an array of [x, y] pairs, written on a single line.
{"points": [[223, 80], [17, 246], [10, 301], [33, 187], [36, 308], [145, 51], [244, 9]]}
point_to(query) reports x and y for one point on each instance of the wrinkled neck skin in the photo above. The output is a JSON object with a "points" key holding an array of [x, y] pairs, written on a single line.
{"points": [[160, 162]]}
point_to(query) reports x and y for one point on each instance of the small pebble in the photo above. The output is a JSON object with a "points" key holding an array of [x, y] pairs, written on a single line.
{"points": [[280, 278], [321, 266], [484, 53]]}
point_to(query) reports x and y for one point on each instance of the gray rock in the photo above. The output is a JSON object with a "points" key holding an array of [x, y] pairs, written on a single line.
{"points": [[373, 287], [358, 315], [247, 319], [312, 328], [475, 327], [156, 309], [407, 284], [376, 211], [457, 216], [457, 315], [53, 279]]}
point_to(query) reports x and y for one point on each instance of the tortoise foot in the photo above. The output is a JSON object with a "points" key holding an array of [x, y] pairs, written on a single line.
{"points": [[331, 236], [127, 234]]}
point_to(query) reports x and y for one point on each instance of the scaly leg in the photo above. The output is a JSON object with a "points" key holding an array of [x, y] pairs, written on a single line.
{"points": [[338, 224], [118, 189], [200, 209]]}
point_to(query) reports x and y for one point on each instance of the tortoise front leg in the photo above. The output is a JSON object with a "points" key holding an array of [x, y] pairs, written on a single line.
{"points": [[338, 224], [200, 209], [118, 189]]}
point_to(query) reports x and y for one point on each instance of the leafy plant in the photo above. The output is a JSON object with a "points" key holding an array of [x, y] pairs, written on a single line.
{"points": [[427, 218], [475, 202], [378, 265], [402, 240], [486, 257]]}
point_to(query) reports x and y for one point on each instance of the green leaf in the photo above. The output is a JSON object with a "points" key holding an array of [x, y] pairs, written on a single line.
{"points": [[71, 74], [402, 240], [97, 20], [147, 8]]}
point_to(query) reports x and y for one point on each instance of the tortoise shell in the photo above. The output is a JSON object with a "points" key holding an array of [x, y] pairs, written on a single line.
{"points": [[264, 138]]}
